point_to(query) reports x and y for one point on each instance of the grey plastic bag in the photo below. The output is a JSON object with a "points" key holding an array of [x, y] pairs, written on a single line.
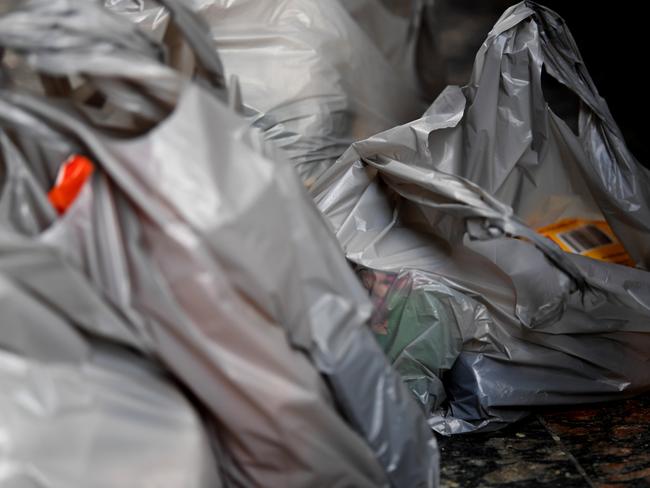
{"points": [[506, 323], [310, 77], [211, 261]]}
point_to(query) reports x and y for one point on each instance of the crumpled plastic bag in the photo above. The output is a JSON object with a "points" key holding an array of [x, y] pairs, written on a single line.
{"points": [[311, 78], [223, 271], [483, 316]]}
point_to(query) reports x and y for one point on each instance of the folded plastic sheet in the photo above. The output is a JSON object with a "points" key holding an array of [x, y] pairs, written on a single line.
{"points": [[446, 207], [311, 78], [227, 273]]}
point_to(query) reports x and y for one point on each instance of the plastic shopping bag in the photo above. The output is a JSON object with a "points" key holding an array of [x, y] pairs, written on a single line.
{"points": [[225, 271], [485, 314]]}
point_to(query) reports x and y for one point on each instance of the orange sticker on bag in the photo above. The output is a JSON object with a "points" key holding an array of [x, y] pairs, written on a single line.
{"points": [[72, 175], [591, 238]]}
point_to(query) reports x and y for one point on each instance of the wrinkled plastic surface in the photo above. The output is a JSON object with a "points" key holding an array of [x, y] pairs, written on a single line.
{"points": [[225, 271], [116, 416], [119, 424], [430, 211], [315, 80]]}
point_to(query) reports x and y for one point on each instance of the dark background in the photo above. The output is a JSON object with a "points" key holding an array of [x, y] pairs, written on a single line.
{"points": [[613, 40]]}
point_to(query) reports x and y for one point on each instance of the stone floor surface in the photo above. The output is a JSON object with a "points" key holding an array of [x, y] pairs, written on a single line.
{"points": [[598, 446]]}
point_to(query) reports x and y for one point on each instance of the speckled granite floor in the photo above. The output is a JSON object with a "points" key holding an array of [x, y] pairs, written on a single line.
{"points": [[601, 446]]}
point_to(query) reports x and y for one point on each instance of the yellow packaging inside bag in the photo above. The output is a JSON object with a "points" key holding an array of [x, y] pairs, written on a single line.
{"points": [[592, 238]]}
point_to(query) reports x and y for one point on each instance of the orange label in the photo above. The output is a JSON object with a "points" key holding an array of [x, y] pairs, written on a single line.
{"points": [[72, 175], [592, 238]]}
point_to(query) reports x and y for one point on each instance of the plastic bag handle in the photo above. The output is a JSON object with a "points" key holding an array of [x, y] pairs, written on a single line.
{"points": [[189, 26]]}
